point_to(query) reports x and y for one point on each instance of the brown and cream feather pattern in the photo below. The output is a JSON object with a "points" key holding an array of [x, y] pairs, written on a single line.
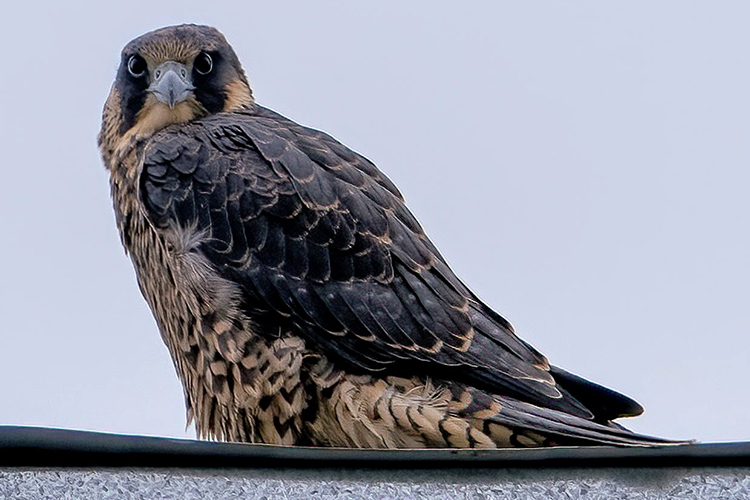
{"points": [[301, 301]]}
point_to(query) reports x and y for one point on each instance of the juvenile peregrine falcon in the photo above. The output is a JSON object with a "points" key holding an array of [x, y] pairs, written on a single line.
{"points": [[301, 301]]}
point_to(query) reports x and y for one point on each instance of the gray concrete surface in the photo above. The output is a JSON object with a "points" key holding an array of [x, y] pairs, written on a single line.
{"points": [[371, 484]]}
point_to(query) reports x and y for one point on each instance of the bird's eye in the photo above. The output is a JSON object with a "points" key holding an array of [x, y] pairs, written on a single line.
{"points": [[137, 66], [203, 64]]}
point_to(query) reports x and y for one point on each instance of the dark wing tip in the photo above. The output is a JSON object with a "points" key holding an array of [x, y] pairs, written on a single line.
{"points": [[604, 403]]}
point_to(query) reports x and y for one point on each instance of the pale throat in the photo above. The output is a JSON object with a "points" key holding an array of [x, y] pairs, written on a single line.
{"points": [[156, 115]]}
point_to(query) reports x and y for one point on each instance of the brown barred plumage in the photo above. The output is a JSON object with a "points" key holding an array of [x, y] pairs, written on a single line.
{"points": [[301, 301]]}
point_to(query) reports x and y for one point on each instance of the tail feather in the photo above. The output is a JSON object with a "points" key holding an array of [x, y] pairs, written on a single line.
{"points": [[504, 418], [565, 429]]}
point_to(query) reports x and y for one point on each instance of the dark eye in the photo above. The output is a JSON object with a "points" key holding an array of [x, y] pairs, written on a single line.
{"points": [[137, 66], [203, 64]]}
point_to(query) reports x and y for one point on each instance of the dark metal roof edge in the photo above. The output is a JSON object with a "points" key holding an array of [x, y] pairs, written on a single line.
{"points": [[44, 446]]}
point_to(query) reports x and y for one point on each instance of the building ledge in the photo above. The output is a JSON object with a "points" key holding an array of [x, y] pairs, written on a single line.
{"points": [[42, 463], [42, 446]]}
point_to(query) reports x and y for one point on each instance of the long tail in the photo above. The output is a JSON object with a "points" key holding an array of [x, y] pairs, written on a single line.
{"points": [[512, 423]]}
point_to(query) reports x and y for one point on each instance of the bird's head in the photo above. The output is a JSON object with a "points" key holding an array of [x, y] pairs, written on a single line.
{"points": [[171, 75]]}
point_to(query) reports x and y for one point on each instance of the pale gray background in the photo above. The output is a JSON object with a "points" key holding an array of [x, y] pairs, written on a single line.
{"points": [[582, 165]]}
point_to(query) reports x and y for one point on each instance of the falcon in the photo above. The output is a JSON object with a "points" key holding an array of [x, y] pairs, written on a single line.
{"points": [[300, 300]]}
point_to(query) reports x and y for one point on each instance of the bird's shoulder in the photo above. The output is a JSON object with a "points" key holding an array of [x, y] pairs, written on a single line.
{"points": [[290, 197], [262, 143]]}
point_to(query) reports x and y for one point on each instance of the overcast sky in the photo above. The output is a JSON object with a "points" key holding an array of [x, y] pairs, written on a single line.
{"points": [[583, 166]]}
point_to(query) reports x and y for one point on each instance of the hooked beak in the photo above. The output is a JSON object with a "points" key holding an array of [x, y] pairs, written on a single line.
{"points": [[171, 84]]}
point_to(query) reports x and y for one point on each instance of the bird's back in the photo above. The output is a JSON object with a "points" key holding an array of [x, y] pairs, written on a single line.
{"points": [[323, 255]]}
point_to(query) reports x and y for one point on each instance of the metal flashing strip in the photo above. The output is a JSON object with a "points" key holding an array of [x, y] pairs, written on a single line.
{"points": [[50, 447]]}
